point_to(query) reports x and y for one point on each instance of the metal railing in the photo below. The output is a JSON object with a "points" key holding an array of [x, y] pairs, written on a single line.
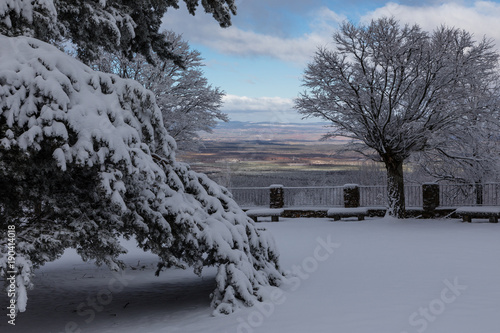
{"points": [[451, 195], [313, 196], [491, 194], [251, 196], [370, 196]]}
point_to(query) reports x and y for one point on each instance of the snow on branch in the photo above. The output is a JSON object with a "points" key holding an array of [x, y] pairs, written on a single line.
{"points": [[87, 160], [124, 27]]}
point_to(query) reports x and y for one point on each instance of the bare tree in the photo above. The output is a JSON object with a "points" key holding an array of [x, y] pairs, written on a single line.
{"points": [[189, 104], [469, 153], [391, 87]]}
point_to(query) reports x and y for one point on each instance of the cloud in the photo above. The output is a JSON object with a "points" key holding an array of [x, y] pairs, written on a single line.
{"points": [[243, 103], [271, 109], [481, 18], [247, 43]]}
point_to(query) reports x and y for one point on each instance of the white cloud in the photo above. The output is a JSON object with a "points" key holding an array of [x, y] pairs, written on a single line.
{"points": [[270, 109], [247, 43], [296, 50], [236, 41], [240, 103], [481, 19]]}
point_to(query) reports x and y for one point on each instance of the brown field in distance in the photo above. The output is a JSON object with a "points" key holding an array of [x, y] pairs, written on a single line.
{"points": [[269, 156], [255, 154]]}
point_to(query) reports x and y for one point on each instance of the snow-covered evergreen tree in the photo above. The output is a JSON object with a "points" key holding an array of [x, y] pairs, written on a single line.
{"points": [[118, 26], [85, 159], [188, 103], [393, 88]]}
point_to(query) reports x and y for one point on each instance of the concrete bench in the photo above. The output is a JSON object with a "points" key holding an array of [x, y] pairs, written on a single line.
{"points": [[338, 213], [274, 213], [468, 213]]}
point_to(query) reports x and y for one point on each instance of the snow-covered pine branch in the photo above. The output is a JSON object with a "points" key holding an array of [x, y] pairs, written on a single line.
{"points": [[85, 159], [125, 27]]}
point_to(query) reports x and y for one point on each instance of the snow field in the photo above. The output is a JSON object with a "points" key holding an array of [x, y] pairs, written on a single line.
{"points": [[377, 275]]}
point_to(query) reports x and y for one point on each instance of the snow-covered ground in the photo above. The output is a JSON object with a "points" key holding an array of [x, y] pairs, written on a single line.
{"points": [[372, 276]]}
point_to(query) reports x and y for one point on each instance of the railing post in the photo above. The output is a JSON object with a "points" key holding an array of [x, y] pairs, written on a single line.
{"points": [[351, 195], [478, 188], [276, 196], [430, 197]]}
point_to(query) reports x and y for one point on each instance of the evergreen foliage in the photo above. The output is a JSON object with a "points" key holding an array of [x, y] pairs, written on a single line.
{"points": [[119, 26], [85, 159]]}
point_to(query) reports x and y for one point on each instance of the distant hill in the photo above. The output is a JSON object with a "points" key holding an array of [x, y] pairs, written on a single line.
{"points": [[245, 147], [267, 131]]}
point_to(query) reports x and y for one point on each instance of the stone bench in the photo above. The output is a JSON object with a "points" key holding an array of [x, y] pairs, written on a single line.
{"points": [[338, 213], [274, 213], [468, 213]]}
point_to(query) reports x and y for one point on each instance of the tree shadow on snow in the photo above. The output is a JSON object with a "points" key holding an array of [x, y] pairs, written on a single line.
{"points": [[97, 300]]}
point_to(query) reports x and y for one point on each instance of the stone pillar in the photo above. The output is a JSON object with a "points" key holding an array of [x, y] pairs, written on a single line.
{"points": [[351, 195], [430, 196], [478, 189], [276, 196]]}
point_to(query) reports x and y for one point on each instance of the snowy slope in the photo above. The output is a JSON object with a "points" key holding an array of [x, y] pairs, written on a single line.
{"points": [[381, 276]]}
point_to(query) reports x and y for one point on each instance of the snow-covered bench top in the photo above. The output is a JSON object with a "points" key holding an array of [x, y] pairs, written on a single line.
{"points": [[338, 212], [262, 212], [487, 210], [265, 212], [470, 212], [347, 211]]}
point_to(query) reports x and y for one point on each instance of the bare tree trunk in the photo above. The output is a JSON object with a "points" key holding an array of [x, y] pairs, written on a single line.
{"points": [[395, 188]]}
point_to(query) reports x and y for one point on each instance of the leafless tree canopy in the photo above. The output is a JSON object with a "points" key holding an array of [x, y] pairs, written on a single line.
{"points": [[394, 87], [189, 104]]}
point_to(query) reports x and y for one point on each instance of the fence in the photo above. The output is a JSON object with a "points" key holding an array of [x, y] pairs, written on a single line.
{"points": [[445, 195], [251, 196], [469, 194], [313, 196], [372, 196]]}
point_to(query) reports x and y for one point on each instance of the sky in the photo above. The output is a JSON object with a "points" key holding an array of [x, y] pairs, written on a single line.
{"points": [[259, 61]]}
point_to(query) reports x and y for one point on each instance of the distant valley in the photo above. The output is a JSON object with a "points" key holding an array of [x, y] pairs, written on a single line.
{"points": [[267, 131], [258, 148]]}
